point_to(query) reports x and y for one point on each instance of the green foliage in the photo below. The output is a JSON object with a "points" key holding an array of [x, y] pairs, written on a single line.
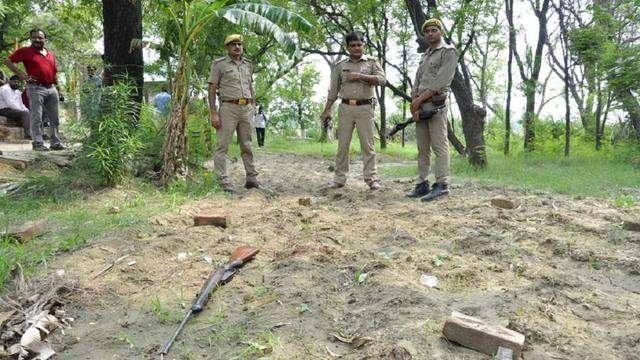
{"points": [[292, 104], [112, 144]]}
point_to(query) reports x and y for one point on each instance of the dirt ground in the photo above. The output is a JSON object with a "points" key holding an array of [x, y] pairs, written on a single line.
{"points": [[558, 269]]}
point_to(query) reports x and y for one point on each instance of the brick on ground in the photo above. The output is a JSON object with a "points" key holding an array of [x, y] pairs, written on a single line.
{"points": [[27, 231], [475, 334], [211, 220]]}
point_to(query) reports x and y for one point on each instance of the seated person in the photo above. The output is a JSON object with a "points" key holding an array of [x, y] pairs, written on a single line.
{"points": [[11, 105]]}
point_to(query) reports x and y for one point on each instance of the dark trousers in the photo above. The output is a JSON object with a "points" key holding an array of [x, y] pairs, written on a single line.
{"points": [[19, 118], [260, 134]]}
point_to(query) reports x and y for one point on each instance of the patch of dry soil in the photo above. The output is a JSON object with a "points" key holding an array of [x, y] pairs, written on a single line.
{"points": [[561, 271]]}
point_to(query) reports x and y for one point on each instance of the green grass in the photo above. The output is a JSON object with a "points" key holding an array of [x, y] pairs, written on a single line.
{"points": [[606, 174], [328, 150], [77, 213]]}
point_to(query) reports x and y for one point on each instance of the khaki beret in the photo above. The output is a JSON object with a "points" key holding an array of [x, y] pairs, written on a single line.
{"points": [[232, 38], [432, 22]]}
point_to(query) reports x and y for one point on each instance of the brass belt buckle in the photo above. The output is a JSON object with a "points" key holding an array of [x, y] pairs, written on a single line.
{"points": [[242, 101], [353, 102]]}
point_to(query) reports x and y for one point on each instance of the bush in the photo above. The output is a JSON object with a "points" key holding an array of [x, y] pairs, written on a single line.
{"points": [[111, 144]]}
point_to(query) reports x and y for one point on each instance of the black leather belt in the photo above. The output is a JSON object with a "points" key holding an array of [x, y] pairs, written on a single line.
{"points": [[356, 102]]}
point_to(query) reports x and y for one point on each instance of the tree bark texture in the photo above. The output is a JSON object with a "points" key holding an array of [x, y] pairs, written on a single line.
{"points": [[122, 23]]}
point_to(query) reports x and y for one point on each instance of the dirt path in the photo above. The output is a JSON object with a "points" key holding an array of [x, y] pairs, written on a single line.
{"points": [[562, 271]]}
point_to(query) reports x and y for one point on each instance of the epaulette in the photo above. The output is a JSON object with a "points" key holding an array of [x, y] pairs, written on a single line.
{"points": [[340, 61], [219, 59]]}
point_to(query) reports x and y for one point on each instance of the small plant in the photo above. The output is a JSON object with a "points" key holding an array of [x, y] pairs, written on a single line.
{"points": [[262, 290], [262, 346], [519, 270], [438, 260], [622, 201], [303, 308], [427, 328], [164, 315], [126, 337], [360, 276]]}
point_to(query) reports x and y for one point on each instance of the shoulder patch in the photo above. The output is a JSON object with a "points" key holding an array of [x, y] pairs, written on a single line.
{"points": [[340, 61]]}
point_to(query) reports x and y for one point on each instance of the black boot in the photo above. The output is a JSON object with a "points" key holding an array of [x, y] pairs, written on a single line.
{"points": [[420, 190], [437, 190]]}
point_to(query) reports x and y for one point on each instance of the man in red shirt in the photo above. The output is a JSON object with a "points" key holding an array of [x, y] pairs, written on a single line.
{"points": [[42, 87]]}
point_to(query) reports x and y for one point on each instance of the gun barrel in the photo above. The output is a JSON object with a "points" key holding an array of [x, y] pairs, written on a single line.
{"points": [[165, 348]]}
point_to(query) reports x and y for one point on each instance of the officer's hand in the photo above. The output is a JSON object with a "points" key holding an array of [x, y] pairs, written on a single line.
{"points": [[416, 115], [353, 76], [325, 118], [415, 104], [215, 121]]}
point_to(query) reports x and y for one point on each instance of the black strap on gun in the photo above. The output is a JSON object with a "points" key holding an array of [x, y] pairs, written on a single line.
{"points": [[219, 277], [424, 116]]}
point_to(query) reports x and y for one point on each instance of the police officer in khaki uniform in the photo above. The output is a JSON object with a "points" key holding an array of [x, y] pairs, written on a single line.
{"points": [[231, 78], [353, 79], [434, 76]]}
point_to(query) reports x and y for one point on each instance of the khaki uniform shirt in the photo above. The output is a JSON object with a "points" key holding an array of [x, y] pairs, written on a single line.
{"points": [[436, 70], [354, 89], [232, 78]]}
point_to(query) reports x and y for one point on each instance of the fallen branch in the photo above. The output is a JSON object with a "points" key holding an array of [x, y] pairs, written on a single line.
{"points": [[103, 271]]}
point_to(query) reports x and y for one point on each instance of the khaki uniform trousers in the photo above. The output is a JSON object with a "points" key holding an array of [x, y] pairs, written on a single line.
{"points": [[360, 117], [234, 118], [432, 135]]}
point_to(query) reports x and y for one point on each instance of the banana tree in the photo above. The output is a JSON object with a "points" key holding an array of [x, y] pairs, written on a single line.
{"points": [[188, 20]]}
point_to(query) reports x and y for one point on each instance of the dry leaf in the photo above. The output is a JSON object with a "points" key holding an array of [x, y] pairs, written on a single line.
{"points": [[359, 341], [34, 340], [342, 338], [356, 341]]}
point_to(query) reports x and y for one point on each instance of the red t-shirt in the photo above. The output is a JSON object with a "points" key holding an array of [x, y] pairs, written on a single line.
{"points": [[42, 68]]}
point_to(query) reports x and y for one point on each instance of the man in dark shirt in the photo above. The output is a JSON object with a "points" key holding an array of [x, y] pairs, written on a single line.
{"points": [[42, 87]]}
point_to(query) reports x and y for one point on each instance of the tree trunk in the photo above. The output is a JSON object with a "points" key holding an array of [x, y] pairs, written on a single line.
{"points": [[300, 121], [383, 117], [507, 113], [174, 149], [122, 23], [473, 116], [531, 81]]}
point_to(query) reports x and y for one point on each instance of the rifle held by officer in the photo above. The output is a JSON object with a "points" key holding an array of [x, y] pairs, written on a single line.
{"points": [[424, 116], [219, 277]]}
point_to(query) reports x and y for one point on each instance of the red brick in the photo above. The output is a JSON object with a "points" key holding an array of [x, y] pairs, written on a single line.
{"points": [[631, 225], [208, 220], [477, 335], [304, 201], [28, 230]]}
